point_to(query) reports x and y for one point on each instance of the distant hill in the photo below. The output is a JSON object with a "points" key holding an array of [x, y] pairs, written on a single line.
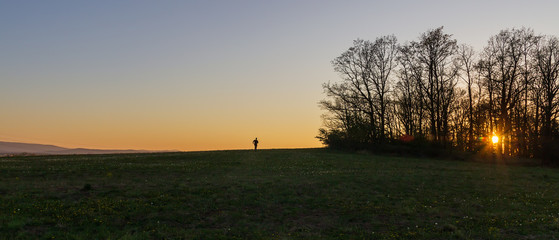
{"points": [[9, 148]]}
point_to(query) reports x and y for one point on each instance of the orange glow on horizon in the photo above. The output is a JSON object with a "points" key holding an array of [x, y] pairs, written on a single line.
{"points": [[170, 130]]}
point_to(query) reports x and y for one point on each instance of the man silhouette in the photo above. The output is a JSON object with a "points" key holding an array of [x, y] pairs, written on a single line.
{"points": [[255, 142]]}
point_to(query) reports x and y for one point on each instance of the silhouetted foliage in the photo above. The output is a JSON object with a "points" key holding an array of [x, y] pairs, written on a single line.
{"points": [[446, 96]]}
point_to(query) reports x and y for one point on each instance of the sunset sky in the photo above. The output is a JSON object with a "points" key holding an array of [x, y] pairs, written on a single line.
{"points": [[204, 75]]}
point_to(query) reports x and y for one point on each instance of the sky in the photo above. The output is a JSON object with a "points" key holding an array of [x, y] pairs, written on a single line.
{"points": [[204, 75]]}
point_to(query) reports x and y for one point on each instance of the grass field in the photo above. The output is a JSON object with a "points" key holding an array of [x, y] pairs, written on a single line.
{"points": [[273, 194]]}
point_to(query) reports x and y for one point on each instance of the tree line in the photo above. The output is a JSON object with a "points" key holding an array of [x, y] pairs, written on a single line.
{"points": [[438, 91]]}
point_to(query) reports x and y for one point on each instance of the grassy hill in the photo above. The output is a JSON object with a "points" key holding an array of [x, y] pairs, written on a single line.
{"points": [[273, 194], [16, 148]]}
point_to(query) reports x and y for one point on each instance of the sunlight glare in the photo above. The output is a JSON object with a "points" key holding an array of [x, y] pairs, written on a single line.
{"points": [[495, 139]]}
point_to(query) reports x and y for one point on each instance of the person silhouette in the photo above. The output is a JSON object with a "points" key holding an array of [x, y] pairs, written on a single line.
{"points": [[255, 142]]}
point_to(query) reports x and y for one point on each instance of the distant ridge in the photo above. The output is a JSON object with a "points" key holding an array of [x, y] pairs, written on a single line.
{"points": [[15, 148]]}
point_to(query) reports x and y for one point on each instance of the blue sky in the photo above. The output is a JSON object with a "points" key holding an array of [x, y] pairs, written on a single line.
{"points": [[200, 75]]}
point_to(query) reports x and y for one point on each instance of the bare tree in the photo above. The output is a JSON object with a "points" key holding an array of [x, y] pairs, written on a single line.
{"points": [[466, 60], [384, 53], [546, 58], [408, 91], [503, 72], [356, 87], [435, 51], [486, 70], [528, 41], [365, 69], [511, 89]]}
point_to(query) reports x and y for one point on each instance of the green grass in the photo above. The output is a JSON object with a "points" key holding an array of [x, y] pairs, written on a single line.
{"points": [[273, 194]]}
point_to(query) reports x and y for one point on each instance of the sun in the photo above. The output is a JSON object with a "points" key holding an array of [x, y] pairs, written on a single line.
{"points": [[495, 139]]}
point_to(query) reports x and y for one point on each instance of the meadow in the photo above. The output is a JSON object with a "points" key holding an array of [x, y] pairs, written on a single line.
{"points": [[273, 194]]}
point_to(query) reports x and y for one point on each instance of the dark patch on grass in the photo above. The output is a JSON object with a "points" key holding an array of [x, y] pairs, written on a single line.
{"points": [[86, 187]]}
